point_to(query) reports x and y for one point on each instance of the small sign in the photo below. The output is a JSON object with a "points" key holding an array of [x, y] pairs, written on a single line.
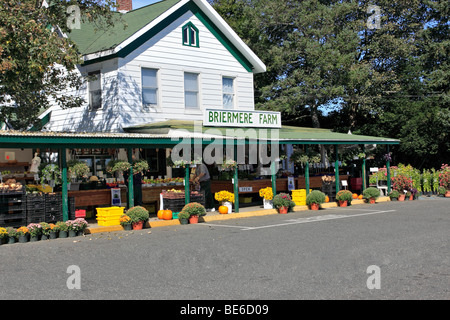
{"points": [[291, 184], [374, 169], [344, 183], [115, 197], [245, 189]]}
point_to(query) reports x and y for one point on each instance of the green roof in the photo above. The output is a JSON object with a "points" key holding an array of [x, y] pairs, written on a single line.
{"points": [[89, 40], [287, 134]]}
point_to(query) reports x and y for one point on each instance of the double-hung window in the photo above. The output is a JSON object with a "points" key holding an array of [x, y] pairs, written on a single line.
{"points": [[191, 92], [149, 88], [228, 92], [95, 90]]}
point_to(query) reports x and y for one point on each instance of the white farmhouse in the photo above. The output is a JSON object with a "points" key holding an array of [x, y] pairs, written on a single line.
{"points": [[175, 59]]}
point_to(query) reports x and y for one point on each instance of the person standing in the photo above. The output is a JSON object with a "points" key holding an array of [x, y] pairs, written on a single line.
{"points": [[203, 178]]}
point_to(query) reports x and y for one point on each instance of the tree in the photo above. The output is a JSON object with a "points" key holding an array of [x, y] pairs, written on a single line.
{"points": [[37, 63]]}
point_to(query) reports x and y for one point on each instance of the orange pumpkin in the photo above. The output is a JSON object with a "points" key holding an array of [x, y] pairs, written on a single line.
{"points": [[160, 214], [360, 196], [355, 196], [327, 199], [223, 209], [167, 215]]}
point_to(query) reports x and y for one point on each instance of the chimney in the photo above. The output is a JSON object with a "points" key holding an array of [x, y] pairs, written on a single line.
{"points": [[125, 5]]}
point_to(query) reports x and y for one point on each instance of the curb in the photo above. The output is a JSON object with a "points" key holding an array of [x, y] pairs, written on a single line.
{"points": [[218, 217]]}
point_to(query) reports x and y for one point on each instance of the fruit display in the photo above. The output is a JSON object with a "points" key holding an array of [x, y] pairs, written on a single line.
{"points": [[10, 186]]}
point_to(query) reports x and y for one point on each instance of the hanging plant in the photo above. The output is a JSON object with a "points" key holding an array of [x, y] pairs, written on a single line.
{"points": [[140, 166], [80, 170], [121, 166], [51, 172]]}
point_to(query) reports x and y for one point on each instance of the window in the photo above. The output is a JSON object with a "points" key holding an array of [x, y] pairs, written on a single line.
{"points": [[228, 92], [191, 90], [95, 90], [149, 88], [190, 35]]}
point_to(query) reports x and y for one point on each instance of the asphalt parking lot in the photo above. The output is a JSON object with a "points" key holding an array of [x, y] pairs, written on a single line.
{"points": [[385, 251]]}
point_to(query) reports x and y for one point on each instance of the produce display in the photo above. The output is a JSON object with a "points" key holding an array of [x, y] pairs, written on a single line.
{"points": [[10, 186]]}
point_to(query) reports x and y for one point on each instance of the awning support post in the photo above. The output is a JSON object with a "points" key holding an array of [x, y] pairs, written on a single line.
{"points": [[65, 197], [363, 169], [236, 181], [336, 167], [388, 170], [130, 179], [307, 172], [187, 195]]}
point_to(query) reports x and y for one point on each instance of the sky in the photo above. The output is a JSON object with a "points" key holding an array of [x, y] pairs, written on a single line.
{"points": [[141, 3]]}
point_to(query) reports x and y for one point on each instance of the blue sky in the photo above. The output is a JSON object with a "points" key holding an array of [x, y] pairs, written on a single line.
{"points": [[140, 3]]}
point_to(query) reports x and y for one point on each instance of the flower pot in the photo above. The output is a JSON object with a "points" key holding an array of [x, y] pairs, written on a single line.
{"points": [[72, 233], [184, 221], [447, 194], [394, 199], [401, 197], [314, 206], [411, 198], [80, 232], [229, 205], [342, 203], [23, 239], [127, 227], [53, 235], [283, 210], [268, 204], [193, 219], [11, 240], [372, 200], [63, 234], [34, 238], [138, 225], [44, 237]]}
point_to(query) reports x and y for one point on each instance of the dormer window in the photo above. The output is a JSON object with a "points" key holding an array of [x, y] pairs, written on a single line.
{"points": [[190, 35]]}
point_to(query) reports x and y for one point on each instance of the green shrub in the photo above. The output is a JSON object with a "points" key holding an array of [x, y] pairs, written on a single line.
{"points": [[283, 200], [184, 215], [344, 195], [194, 209], [315, 196], [371, 192], [394, 194], [137, 214]]}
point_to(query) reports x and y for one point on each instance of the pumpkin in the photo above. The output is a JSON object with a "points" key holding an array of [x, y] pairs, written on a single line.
{"points": [[355, 196], [327, 199], [223, 209], [360, 196], [167, 215], [160, 214]]}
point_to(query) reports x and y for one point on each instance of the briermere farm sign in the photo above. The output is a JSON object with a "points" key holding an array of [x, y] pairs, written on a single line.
{"points": [[231, 118]]}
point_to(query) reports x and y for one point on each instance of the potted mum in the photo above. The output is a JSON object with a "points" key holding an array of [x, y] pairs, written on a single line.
{"points": [[12, 235], [226, 198], [63, 229], [267, 195], [344, 197], [125, 222], [45, 227], [54, 230], [79, 225], [314, 199], [138, 215], [195, 210], [35, 230], [3, 235], [394, 195], [184, 216], [371, 194], [283, 202], [22, 234]]}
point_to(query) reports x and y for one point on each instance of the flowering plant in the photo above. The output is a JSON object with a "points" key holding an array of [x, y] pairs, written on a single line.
{"points": [[3, 233], [228, 164], [11, 232], [140, 166], [22, 231], [194, 209], [266, 193], [401, 182], [62, 226], [283, 200], [80, 169], [118, 166], [53, 227], [444, 176], [387, 157], [78, 224], [344, 195], [125, 220], [224, 196], [51, 172], [35, 229], [328, 179], [45, 228]]}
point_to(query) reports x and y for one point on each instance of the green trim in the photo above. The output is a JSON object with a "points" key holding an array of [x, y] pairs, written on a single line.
{"points": [[190, 42], [42, 122], [190, 6]]}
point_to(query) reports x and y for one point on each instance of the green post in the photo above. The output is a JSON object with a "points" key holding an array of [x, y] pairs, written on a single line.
{"points": [[388, 171], [65, 198], [187, 194], [236, 181], [273, 176], [130, 180], [363, 169], [336, 167], [307, 173]]}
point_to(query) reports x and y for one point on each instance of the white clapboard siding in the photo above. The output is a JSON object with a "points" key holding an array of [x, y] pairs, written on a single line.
{"points": [[122, 89]]}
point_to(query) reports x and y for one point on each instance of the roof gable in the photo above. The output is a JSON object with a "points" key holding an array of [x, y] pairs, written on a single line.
{"points": [[146, 22]]}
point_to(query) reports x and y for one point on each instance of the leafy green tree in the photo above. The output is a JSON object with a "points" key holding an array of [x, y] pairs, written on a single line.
{"points": [[37, 62]]}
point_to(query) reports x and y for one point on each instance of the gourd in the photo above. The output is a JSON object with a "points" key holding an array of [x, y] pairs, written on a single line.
{"points": [[167, 215], [223, 209]]}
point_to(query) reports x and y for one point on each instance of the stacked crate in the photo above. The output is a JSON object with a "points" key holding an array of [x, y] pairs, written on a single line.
{"points": [[299, 197], [35, 208], [53, 208], [109, 216], [329, 188], [13, 210]]}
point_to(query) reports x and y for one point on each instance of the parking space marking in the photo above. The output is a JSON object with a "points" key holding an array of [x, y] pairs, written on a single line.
{"points": [[303, 220]]}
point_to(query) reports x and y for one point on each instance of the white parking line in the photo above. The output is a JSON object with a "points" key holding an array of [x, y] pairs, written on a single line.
{"points": [[303, 220]]}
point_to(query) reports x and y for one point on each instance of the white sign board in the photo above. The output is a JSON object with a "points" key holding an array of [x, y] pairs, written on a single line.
{"points": [[291, 184], [245, 189], [115, 197], [247, 119]]}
